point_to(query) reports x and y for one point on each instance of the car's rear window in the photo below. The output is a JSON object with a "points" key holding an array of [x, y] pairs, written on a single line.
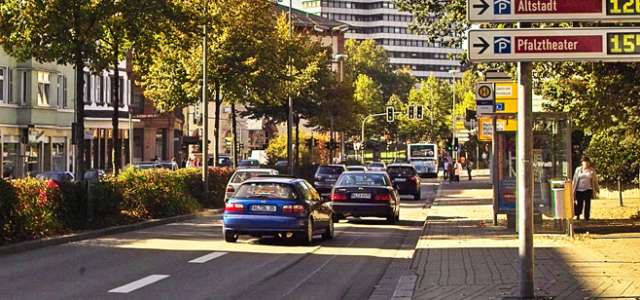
{"points": [[330, 170], [355, 168], [376, 165], [241, 177], [266, 190], [363, 179], [401, 171]]}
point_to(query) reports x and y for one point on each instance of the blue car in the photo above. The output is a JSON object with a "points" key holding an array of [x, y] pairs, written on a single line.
{"points": [[271, 206]]}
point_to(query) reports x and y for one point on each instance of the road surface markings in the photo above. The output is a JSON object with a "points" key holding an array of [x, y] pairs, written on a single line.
{"points": [[127, 288], [206, 258]]}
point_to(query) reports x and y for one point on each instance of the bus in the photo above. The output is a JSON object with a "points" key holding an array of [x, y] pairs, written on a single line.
{"points": [[425, 158]]}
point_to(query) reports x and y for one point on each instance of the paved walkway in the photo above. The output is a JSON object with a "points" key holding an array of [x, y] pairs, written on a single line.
{"points": [[461, 255]]}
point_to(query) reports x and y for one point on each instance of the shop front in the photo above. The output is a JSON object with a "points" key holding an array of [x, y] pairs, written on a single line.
{"points": [[29, 151]]}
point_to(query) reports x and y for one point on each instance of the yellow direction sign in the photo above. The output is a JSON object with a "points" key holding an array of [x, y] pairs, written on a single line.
{"points": [[506, 97]]}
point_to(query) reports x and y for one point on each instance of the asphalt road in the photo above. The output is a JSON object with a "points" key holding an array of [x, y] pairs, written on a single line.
{"points": [[190, 260]]}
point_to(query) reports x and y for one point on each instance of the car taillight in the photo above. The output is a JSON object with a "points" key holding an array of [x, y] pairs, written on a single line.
{"points": [[230, 189], [234, 207], [412, 178], [383, 197], [295, 209], [338, 196]]}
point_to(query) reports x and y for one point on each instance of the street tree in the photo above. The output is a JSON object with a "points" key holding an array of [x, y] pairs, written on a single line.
{"points": [[68, 29], [241, 35]]}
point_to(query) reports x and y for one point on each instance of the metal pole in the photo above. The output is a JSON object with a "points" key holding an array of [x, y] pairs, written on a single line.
{"points": [[131, 96], [453, 116], [205, 116], [290, 119], [332, 151], [495, 169], [525, 178]]}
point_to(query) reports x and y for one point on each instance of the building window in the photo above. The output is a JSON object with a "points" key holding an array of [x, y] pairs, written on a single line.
{"points": [[3, 81], [87, 88], [10, 85], [23, 84], [100, 90], [44, 88], [60, 91]]}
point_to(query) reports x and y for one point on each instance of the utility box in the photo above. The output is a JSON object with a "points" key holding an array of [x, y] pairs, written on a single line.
{"points": [[561, 198]]}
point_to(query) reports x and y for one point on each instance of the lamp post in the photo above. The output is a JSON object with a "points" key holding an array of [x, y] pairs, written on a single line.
{"points": [[453, 113], [290, 117]]}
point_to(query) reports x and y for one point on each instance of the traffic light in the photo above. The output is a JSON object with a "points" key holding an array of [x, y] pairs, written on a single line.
{"points": [[315, 142], [449, 145], [419, 112], [308, 142], [335, 145], [456, 147], [390, 114], [412, 109]]}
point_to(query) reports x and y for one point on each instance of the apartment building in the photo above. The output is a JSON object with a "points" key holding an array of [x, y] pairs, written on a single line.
{"points": [[36, 112], [381, 21]]}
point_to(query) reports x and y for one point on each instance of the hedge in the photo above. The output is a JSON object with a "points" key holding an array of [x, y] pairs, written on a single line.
{"points": [[31, 208]]}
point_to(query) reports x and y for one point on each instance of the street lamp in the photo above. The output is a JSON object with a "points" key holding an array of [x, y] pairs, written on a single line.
{"points": [[453, 113]]}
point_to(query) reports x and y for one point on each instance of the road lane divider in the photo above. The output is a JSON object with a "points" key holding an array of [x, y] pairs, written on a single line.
{"points": [[208, 257], [130, 287]]}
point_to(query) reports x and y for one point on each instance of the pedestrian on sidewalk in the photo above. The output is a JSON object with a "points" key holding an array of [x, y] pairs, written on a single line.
{"points": [[450, 170], [457, 169], [469, 167], [584, 185], [445, 171]]}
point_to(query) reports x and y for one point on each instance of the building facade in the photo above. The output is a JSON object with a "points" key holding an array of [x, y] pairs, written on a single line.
{"points": [[36, 112], [382, 22]]}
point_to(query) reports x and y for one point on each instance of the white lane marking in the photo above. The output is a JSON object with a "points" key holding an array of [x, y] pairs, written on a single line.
{"points": [[206, 258], [138, 284]]}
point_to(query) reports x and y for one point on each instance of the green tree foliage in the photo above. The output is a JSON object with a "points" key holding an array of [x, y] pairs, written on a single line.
{"points": [[435, 97], [443, 22], [277, 149], [61, 31]]}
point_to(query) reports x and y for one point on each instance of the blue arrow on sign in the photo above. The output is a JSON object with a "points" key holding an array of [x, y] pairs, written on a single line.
{"points": [[500, 106]]}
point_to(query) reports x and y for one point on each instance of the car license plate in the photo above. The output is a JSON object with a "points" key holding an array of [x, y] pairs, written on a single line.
{"points": [[263, 208], [360, 195], [400, 179], [331, 179]]}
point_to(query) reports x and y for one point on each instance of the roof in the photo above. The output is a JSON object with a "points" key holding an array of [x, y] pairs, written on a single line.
{"points": [[400, 165], [311, 21]]}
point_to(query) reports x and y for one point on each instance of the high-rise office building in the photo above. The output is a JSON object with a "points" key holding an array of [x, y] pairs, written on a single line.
{"points": [[381, 21]]}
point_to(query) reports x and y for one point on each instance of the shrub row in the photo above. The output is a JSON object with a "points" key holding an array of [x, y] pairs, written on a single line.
{"points": [[31, 208]]}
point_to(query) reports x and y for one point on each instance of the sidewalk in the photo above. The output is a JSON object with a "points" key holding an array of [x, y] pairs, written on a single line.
{"points": [[461, 255]]}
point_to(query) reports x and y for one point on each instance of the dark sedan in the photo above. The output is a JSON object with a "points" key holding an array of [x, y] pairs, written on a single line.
{"points": [[405, 178], [365, 194], [285, 207]]}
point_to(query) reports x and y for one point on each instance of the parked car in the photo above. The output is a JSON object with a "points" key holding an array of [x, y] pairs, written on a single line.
{"points": [[171, 165], [7, 168], [285, 207], [365, 194], [326, 176], [248, 164], [377, 166], [240, 176], [224, 161], [282, 164], [356, 168], [405, 179], [95, 175], [145, 165], [57, 176]]}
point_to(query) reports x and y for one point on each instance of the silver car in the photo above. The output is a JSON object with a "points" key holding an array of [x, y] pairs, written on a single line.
{"points": [[239, 176]]}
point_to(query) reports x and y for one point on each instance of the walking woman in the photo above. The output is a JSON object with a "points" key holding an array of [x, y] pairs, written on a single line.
{"points": [[585, 186]]}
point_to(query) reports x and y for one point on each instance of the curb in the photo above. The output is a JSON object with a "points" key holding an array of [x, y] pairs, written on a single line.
{"points": [[64, 239]]}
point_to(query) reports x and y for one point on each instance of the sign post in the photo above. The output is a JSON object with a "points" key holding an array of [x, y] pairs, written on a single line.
{"points": [[485, 98]]}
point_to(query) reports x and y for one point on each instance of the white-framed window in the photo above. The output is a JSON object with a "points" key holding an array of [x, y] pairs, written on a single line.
{"points": [[3, 83], [62, 91], [100, 90], [23, 87], [87, 88], [9, 85], [44, 88]]}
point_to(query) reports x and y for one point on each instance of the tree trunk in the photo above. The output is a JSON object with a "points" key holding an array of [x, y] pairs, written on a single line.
{"points": [[297, 121], [116, 142], [235, 135], [216, 125], [79, 130]]}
